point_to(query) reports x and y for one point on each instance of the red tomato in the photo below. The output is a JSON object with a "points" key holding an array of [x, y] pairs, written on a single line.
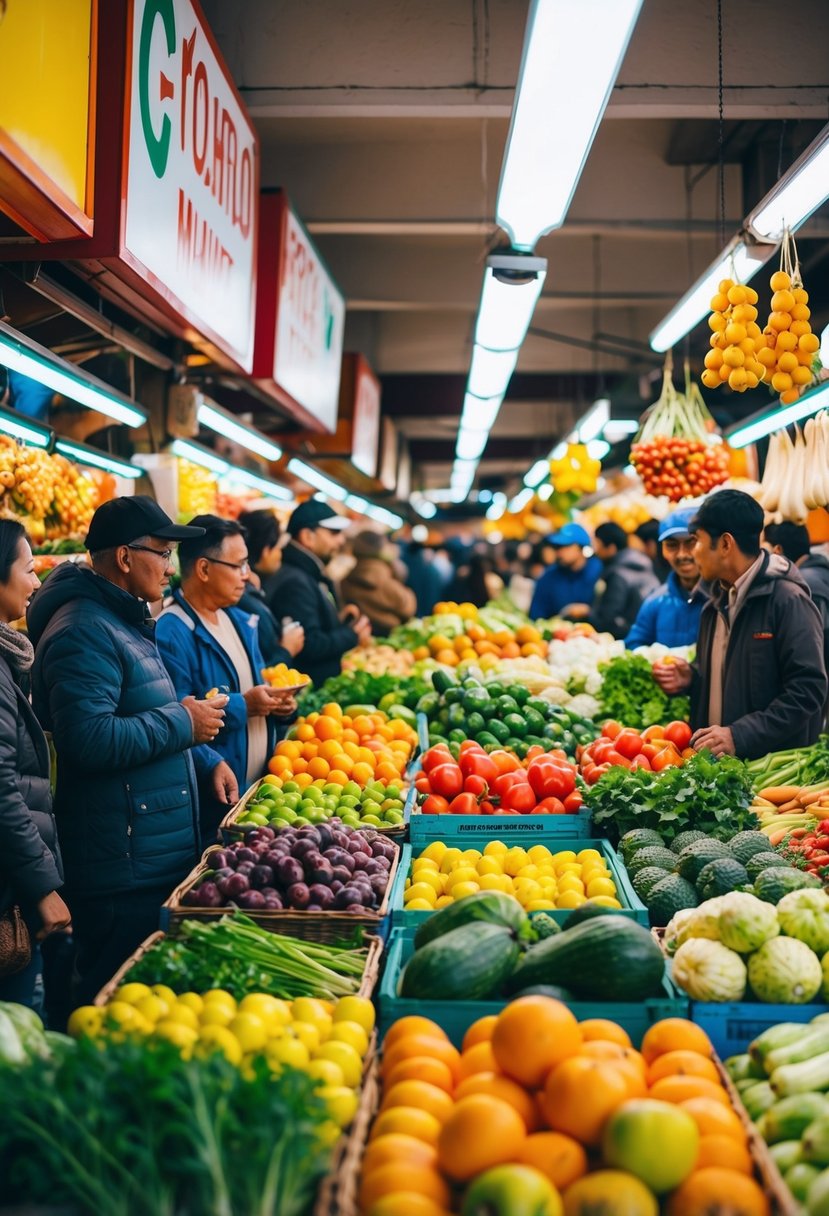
{"points": [[476, 785], [469, 745], [616, 758], [504, 761], [446, 780], [486, 808], [435, 756], [479, 764], [535, 751], [653, 733], [642, 762], [464, 804], [573, 802], [628, 743], [679, 734], [586, 770], [422, 784], [667, 758], [601, 750], [651, 750], [506, 781], [519, 798], [611, 729], [551, 778], [550, 806], [688, 752], [596, 773], [435, 805]]}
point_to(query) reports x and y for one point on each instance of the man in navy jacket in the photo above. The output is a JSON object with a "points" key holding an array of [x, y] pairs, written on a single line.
{"points": [[670, 615]]}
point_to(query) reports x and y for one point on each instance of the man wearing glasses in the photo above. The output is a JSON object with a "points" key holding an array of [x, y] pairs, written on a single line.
{"points": [[126, 802], [207, 642]]}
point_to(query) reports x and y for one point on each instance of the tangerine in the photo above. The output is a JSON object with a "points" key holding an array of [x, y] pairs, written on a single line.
{"points": [[717, 1190], [423, 1045], [396, 1146], [480, 1132], [561, 1158], [479, 1058], [480, 1031], [421, 1094], [408, 1121], [403, 1176], [423, 1068], [533, 1035], [674, 1034], [605, 1030], [580, 1095], [498, 1086], [724, 1151], [410, 1202], [412, 1024], [680, 1088], [714, 1119], [682, 1063]]}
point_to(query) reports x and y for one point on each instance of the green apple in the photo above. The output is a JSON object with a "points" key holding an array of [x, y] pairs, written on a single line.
{"points": [[512, 1190]]}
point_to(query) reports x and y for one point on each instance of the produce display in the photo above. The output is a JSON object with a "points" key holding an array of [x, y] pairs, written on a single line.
{"points": [[676, 453], [378, 658], [736, 339], [197, 490], [539, 878], [655, 749], [482, 783], [629, 692], [283, 676], [385, 691], [327, 867], [796, 476], [800, 766], [788, 347], [475, 643], [278, 803], [576, 472], [539, 1113], [338, 747], [51, 495]]}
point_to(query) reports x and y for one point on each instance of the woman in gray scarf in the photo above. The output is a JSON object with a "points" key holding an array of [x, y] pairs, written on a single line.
{"points": [[30, 869]]}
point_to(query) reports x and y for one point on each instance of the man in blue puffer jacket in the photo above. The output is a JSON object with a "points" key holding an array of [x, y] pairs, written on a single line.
{"points": [[671, 614], [126, 803]]}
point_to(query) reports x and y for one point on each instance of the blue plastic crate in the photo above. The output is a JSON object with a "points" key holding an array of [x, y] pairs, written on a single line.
{"points": [[455, 1017], [465, 830], [630, 901], [732, 1026]]}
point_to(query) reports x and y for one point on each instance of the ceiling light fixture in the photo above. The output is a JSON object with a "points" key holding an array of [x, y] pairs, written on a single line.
{"points": [[511, 287], [537, 474], [25, 429], [354, 503], [479, 414], [22, 355], [595, 420], [385, 517], [498, 506], [270, 489], [544, 156], [490, 371], [470, 444], [306, 472], [619, 428], [426, 509], [224, 423], [801, 190], [84, 454], [597, 449], [196, 454], [520, 501], [756, 428]]}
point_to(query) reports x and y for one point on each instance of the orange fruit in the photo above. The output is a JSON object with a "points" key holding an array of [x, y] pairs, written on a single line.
{"points": [[333, 709], [633, 1076], [412, 1024], [499, 1086], [714, 1189], [479, 1058], [402, 1176], [580, 1095], [362, 773], [533, 1035], [601, 1049], [480, 1031], [422, 1045], [395, 1146], [305, 733], [604, 1030], [338, 777], [318, 767], [674, 1034], [407, 1201], [682, 1063], [423, 1068], [561, 1158], [724, 1151], [324, 728], [714, 1119], [421, 1094], [408, 1121], [480, 1132], [679, 1088]]}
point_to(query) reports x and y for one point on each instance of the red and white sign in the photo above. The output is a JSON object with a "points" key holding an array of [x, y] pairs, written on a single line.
{"points": [[191, 180], [365, 426]]}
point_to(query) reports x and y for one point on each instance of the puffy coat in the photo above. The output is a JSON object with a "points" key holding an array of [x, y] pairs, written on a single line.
{"points": [[669, 616], [629, 579], [371, 585], [30, 865], [126, 802]]}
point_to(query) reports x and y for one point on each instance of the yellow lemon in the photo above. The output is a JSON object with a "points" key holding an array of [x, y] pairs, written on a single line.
{"points": [[216, 1014], [462, 889], [355, 1009], [165, 993], [471, 857], [346, 1057], [250, 1031], [434, 851], [132, 992], [516, 858], [605, 901], [570, 899], [288, 1051], [218, 1038], [433, 879], [307, 1033], [601, 886], [487, 882], [489, 865], [539, 905], [585, 853], [182, 1015], [191, 1000], [528, 871], [272, 1011], [311, 1009], [352, 1033], [422, 892], [184, 1037], [85, 1020], [325, 1071], [539, 855], [461, 874], [425, 905], [570, 882], [565, 855], [496, 848], [152, 1008], [341, 1103], [218, 996], [443, 901], [126, 1017], [424, 863], [450, 860]]}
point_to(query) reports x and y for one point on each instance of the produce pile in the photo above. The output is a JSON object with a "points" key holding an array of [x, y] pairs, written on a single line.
{"points": [[49, 493], [379, 659], [283, 676], [476, 643], [386, 692], [629, 692], [540, 1113], [481, 783], [376, 805], [796, 476], [197, 490], [655, 749], [336, 747]]}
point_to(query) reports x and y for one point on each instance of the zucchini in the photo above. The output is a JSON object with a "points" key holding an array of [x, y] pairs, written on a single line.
{"points": [[468, 963], [807, 1076], [492, 907], [607, 958], [814, 1144], [813, 1041], [741, 1068], [799, 1179], [789, 1118], [758, 1098], [775, 1036]]}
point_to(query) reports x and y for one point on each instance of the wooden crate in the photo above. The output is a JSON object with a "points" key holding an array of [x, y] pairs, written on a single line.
{"points": [[231, 830], [768, 1175]]}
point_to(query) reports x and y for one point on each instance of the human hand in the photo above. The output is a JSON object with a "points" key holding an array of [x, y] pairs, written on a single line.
{"points": [[362, 627], [672, 677], [576, 612], [717, 739], [349, 614], [223, 784], [261, 700], [284, 703], [293, 638], [207, 717], [54, 915]]}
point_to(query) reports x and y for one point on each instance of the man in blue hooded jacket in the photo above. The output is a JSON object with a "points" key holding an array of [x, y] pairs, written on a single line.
{"points": [[671, 614]]}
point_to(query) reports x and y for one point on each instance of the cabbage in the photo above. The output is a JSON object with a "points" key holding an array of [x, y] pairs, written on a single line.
{"points": [[785, 971], [746, 922], [805, 915], [708, 971]]}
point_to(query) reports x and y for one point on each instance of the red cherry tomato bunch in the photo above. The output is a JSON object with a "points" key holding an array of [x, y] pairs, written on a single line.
{"points": [[481, 783], [808, 849], [678, 467], [653, 749]]}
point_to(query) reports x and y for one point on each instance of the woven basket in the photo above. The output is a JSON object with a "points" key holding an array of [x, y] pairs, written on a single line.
{"points": [[768, 1175], [345, 1182], [106, 993], [230, 829]]}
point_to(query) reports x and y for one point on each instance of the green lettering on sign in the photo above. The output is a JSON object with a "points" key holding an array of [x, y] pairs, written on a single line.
{"points": [[158, 146]]}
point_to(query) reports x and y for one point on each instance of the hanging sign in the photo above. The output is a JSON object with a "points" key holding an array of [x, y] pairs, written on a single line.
{"points": [[365, 427]]}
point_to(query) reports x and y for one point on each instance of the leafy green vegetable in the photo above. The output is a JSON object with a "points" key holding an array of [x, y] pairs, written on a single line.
{"points": [[706, 794], [630, 694], [135, 1128], [802, 766]]}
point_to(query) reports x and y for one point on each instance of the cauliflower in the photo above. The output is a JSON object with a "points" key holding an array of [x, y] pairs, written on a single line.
{"points": [[585, 706]]}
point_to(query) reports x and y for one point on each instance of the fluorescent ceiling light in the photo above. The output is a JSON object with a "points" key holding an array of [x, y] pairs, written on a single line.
{"points": [[490, 371], [595, 420], [470, 444], [224, 423], [195, 453], [559, 451], [597, 449], [755, 428], [520, 501], [511, 287], [271, 489], [498, 507], [457, 494], [559, 103], [38, 363], [479, 414], [736, 261], [545, 491], [84, 454], [537, 473], [801, 190], [21, 427], [386, 517], [824, 347], [619, 428], [354, 503], [307, 473], [426, 509]]}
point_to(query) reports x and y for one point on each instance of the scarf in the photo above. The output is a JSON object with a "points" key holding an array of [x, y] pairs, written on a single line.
{"points": [[16, 648]]}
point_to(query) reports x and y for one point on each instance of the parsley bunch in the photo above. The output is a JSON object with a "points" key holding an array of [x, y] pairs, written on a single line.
{"points": [[630, 694]]}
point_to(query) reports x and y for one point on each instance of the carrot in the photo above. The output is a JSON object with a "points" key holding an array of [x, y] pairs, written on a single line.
{"points": [[778, 835], [779, 794]]}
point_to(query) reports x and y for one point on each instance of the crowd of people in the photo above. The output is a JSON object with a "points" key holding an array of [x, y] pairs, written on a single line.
{"points": [[133, 715]]}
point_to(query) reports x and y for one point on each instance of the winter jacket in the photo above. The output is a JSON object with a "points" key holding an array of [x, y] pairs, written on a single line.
{"points": [[557, 587], [669, 616], [371, 585], [425, 580], [126, 802], [270, 629], [629, 579], [300, 589], [30, 866], [815, 573], [774, 678], [196, 663]]}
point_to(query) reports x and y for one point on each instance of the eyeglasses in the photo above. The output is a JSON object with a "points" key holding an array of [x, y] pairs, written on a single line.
{"points": [[166, 554], [242, 567]]}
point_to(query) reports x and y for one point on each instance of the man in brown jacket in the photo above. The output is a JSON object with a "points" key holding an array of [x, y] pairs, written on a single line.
{"points": [[374, 587]]}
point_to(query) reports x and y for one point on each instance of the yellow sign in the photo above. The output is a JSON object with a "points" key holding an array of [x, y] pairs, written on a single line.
{"points": [[45, 88]]}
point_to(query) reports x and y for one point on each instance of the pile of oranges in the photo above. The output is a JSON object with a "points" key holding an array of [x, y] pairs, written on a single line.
{"points": [[336, 748], [476, 642], [565, 1111]]}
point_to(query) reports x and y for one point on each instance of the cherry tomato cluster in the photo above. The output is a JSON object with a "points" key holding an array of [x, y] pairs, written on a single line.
{"points": [[678, 467], [808, 850], [497, 783], [652, 749]]}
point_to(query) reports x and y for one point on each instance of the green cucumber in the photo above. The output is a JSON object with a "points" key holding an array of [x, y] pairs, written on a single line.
{"points": [[491, 907], [789, 1118], [807, 1076], [813, 1041], [741, 1068], [468, 964], [774, 1037], [785, 1154], [799, 1179], [814, 1143], [758, 1098]]}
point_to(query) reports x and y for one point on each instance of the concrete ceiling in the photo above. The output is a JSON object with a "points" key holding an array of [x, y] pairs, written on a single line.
{"points": [[385, 121]]}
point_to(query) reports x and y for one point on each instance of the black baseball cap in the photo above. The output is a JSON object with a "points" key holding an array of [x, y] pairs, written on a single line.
{"points": [[316, 514], [122, 520]]}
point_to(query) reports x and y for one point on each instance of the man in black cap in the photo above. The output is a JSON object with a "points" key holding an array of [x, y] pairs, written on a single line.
{"points": [[126, 803], [302, 590]]}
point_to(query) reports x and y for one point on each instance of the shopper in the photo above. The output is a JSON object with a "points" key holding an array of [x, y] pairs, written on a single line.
{"points": [[477, 582], [670, 615], [374, 587], [126, 803], [759, 682], [628, 580], [792, 541], [428, 576], [279, 641], [207, 642], [573, 576], [301, 589], [30, 867], [646, 536]]}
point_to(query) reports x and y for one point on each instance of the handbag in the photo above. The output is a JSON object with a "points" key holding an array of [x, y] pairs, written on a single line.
{"points": [[15, 943]]}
